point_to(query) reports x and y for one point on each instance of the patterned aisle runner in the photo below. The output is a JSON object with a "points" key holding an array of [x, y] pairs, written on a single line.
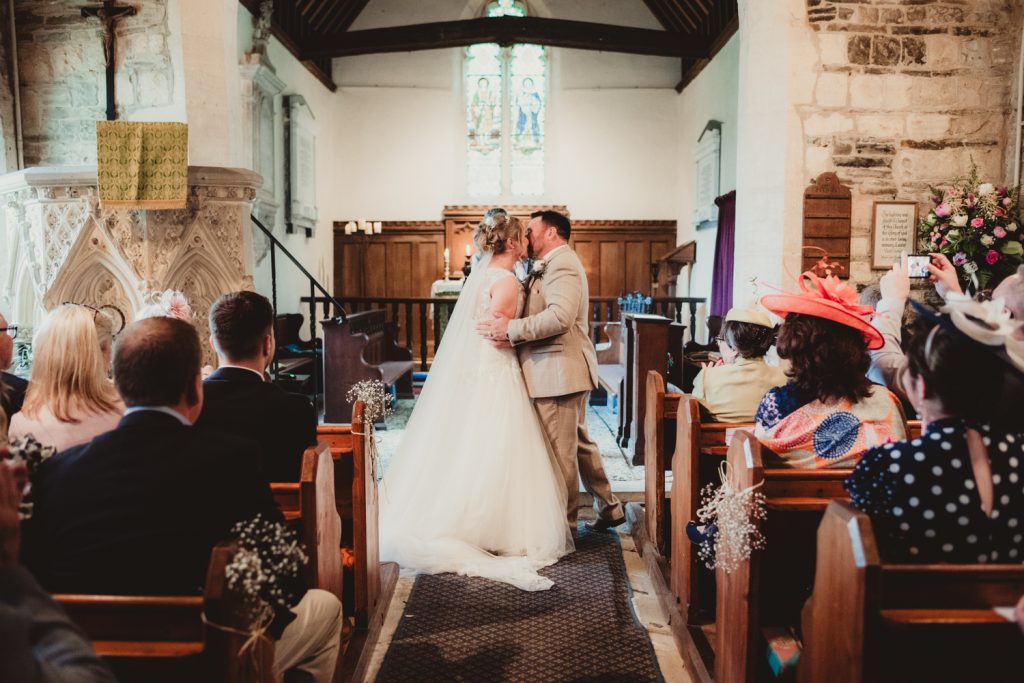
{"points": [[458, 628]]}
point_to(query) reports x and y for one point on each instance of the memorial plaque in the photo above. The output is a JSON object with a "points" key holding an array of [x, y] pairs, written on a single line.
{"points": [[893, 232]]}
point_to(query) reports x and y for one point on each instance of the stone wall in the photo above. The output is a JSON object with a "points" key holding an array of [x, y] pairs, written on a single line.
{"points": [[907, 94], [63, 78], [8, 149]]}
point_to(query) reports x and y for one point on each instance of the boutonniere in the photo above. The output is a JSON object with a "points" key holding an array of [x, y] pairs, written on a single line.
{"points": [[538, 268]]}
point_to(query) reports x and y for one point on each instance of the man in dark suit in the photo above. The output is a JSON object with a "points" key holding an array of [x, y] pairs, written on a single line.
{"points": [[12, 387], [138, 509], [240, 401]]}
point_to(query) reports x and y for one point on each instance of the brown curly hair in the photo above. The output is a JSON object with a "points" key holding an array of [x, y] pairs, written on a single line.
{"points": [[828, 361], [494, 232]]}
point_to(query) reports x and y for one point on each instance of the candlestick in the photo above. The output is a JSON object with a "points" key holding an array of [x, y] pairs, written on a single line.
{"points": [[447, 264]]}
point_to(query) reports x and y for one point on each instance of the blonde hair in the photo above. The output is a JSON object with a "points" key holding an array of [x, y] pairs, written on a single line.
{"points": [[496, 229], [68, 370]]}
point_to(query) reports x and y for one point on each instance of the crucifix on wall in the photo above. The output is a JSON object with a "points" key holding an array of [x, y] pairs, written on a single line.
{"points": [[109, 13]]}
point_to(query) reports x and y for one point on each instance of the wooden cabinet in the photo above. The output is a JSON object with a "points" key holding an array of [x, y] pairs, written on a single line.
{"points": [[402, 261]]}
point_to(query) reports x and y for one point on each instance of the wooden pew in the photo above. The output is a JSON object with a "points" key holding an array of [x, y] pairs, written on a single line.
{"points": [[868, 620], [163, 638], [373, 582], [789, 551], [361, 348], [611, 361], [311, 504], [659, 427], [695, 441], [646, 350]]}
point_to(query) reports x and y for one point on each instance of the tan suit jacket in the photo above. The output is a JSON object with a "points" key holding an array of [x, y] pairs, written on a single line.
{"points": [[552, 337]]}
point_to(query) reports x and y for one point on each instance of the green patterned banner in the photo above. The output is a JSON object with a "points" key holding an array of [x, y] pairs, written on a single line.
{"points": [[142, 164]]}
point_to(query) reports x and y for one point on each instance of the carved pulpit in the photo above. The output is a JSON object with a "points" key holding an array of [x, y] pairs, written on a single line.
{"points": [[59, 244], [666, 269]]}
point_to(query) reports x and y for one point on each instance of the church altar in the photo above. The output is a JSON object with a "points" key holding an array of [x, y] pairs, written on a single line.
{"points": [[60, 245]]}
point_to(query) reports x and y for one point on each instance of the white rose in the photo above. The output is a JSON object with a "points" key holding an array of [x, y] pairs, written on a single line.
{"points": [[931, 219], [987, 240], [953, 234], [959, 220], [986, 188], [1012, 227]]}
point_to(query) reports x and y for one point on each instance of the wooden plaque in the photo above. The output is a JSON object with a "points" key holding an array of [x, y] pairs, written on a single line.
{"points": [[827, 211]]}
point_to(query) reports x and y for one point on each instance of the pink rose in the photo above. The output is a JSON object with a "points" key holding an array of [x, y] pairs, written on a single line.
{"points": [[999, 231], [991, 257], [977, 222], [970, 201], [943, 243], [999, 213], [1007, 202], [942, 210]]}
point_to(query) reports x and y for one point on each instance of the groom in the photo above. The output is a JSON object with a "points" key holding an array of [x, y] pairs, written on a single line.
{"points": [[559, 362]]}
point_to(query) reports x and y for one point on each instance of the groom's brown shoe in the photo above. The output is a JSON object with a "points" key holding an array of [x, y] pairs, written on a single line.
{"points": [[605, 524]]}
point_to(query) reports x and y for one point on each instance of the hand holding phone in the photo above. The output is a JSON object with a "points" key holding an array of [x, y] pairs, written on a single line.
{"points": [[917, 265]]}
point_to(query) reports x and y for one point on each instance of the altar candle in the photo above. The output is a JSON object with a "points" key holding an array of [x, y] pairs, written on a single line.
{"points": [[467, 251], [446, 255], [350, 227], [376, 227]]}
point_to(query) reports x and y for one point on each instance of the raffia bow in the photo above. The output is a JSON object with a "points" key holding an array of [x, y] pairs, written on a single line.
{"points": [[252, 637]]}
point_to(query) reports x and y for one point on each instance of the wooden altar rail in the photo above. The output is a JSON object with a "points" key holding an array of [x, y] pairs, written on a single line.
{"points": [[419, 326]]}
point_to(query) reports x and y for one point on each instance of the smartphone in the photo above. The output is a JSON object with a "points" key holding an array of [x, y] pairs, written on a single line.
{"points": [[917, 265]]}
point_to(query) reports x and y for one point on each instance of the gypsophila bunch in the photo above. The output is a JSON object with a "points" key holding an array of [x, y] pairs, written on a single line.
{"points": [[977, 226], [268, 560], [375, 398], [27, 455], [735, 513]]}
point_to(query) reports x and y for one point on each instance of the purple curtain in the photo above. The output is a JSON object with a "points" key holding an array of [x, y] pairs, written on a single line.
{"points": [[725, 252]]}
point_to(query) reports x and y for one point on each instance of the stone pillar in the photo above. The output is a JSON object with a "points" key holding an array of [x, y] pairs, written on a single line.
{"points": [[774, 80], [59, 245]]}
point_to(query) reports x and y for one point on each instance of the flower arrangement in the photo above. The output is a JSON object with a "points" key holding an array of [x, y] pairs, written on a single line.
{"points": [[25, 456], [170, 303], [733, 512], [265, 566], [977, 226], [375, 397]]}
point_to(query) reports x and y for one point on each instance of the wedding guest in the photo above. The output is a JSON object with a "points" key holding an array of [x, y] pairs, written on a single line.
{"points": [[1011, 291], [828, 413], [37, 640], [138, 509], [239, 400], [732, 391], [953, 495], [70, 399], [13, 394]]}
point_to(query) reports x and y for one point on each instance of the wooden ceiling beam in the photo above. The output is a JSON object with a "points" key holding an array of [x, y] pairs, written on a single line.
{"points": [[663, 16], [352, 10], [317, 26], [508, 31]]}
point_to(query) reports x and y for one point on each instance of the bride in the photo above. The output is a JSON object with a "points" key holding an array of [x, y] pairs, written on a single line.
{"points": [[471, 489]]}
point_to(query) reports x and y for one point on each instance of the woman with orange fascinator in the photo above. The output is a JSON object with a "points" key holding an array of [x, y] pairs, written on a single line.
{"points": [[829, 413]]}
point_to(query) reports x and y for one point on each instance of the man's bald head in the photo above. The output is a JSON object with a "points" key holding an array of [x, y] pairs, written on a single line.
{"points": [[156, 362], [1011, 291]]}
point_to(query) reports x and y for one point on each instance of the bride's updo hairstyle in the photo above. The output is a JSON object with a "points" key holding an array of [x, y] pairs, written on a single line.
{"points": [[495, 230]]}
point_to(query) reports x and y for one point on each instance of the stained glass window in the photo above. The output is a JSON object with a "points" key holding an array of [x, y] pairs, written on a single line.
{"points": [[506, 91]]}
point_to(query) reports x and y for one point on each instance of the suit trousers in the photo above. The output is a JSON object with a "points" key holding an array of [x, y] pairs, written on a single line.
{"points": [[310, 644], [575, 454]]}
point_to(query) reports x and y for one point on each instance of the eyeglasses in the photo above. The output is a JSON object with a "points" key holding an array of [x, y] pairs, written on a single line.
{"points": [[11, 330]]}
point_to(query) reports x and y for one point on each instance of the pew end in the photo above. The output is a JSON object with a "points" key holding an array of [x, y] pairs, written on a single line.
{"points": [[867, 620]]}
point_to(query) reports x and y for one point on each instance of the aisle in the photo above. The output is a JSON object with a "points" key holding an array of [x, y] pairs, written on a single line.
{"points": [[584, 628]]}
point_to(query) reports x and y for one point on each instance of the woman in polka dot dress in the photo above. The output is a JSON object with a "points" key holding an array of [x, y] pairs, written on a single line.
{"points": [[957, 493]]}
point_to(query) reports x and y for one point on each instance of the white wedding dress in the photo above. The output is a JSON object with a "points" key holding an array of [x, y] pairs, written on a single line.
{"points": [[471, 488]]}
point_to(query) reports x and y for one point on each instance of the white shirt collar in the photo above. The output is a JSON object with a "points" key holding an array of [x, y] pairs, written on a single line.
{"points": [[160, 409], [547, 257], [239, 367]]}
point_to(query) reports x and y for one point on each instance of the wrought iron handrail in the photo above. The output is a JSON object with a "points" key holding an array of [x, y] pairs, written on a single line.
{"points": [[314, 287]]}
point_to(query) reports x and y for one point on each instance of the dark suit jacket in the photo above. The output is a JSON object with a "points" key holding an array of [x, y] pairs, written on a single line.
{"points": [[138, 509], [236, 401], [13, 395], [38, 642]]}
